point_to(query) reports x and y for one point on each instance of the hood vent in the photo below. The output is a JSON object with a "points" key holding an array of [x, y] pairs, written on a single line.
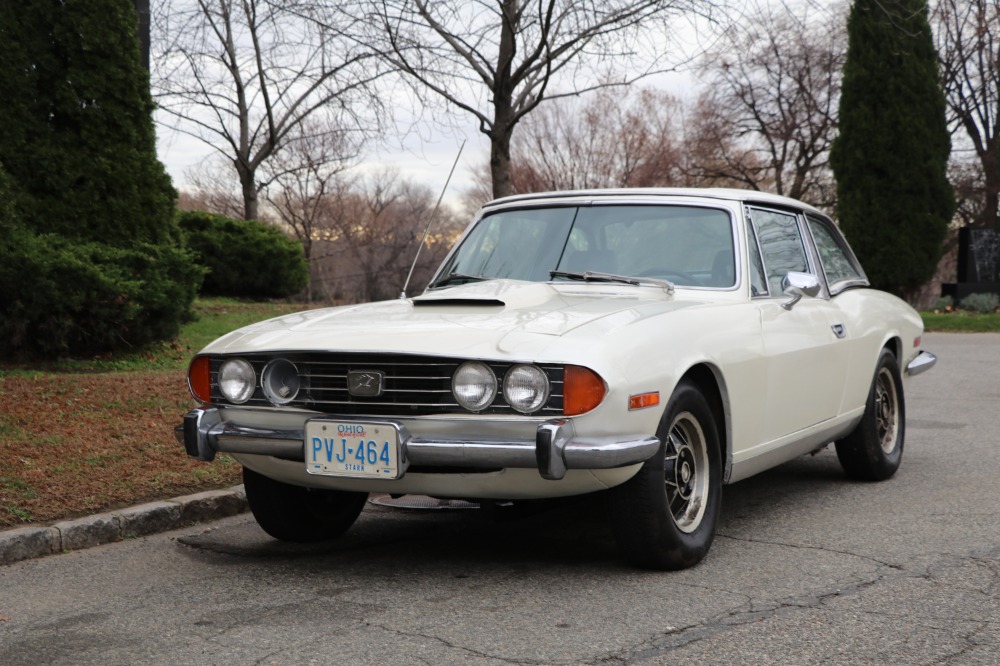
{"points": [[460, 302]]}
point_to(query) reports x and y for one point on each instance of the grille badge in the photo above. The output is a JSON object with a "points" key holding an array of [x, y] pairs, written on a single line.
{"points": [[365, 383]]}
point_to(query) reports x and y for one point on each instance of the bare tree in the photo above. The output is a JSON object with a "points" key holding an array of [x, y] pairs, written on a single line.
{"points": [[303, 178], [213, 187], [771, 105], [968, 180], [370, 235], [498, 59], [616, 138], [969, 48], [244, 75]]}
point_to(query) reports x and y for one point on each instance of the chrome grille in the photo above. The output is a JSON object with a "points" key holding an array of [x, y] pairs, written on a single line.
{"points": [[413, 386]]}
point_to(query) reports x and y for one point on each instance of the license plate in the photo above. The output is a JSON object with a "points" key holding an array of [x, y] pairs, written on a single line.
{"points": [[352, 449]]}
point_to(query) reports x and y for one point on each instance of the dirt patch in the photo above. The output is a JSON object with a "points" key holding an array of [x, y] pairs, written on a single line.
{"points": [[74, 444]]}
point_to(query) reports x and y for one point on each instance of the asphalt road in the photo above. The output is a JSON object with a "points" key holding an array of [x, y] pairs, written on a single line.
{"points": [[807, 567]]}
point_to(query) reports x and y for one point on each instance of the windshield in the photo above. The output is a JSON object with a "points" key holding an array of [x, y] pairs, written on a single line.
{"points": [[687, 245]]}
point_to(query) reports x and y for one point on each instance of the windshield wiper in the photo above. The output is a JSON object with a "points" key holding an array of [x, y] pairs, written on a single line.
{"points": [[593, 276], [456, 277]]}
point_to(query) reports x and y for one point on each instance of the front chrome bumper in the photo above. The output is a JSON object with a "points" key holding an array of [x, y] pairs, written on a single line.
{"points": [[555, 448]]}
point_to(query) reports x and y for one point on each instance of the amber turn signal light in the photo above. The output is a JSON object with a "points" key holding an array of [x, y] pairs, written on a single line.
{"points": [[583, 390], [200, 379], [643, 400]]}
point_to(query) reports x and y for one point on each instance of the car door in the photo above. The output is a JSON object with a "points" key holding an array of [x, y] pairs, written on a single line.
{"points": [[844, 277], [805, 349]]}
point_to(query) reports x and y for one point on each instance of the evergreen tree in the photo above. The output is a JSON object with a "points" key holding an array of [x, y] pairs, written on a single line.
{"points": [[890, 158], [77, 132], [91, 257]]}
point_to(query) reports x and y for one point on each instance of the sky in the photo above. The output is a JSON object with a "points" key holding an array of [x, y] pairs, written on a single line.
{"points": [[426, 157], [425, 154]]}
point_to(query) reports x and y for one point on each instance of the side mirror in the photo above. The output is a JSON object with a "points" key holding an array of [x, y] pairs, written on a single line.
{"points": [[796, 285]]}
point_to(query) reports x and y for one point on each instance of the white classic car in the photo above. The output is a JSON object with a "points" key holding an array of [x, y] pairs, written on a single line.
{"points": [[649, 344]]}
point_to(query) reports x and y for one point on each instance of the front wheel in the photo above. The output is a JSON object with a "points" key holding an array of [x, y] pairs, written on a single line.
{"points": [[873, 451], [665, 516], [298, 514]]}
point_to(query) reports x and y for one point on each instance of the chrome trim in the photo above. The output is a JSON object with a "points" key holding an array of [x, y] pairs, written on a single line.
{"points": [[554, 450], [923, 362], [796, 285], [718, 199], [550, 450], [193, 432], [411, 384]]}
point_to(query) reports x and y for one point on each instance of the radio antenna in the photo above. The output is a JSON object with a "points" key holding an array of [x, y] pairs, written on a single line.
{"points": [[427, 229]]}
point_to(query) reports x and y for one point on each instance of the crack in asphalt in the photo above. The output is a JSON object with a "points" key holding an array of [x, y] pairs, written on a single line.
{"points": [[462, 648], [749, 611], [824, 549], [676, 637]]}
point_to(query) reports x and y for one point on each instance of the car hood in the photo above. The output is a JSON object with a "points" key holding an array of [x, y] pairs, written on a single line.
{"points": [[475, 320]]}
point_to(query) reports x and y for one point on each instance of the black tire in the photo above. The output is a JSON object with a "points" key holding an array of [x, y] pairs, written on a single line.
{"points": [[665, 516], [873, 451], [298, 514]]}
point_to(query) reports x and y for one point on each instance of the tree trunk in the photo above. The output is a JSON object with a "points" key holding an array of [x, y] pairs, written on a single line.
{"points": [[500, 164], [248, 187], [990, 160], [503, 103]]}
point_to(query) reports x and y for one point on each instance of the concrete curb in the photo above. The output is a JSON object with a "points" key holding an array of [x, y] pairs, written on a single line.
{"points": [[30, 542]]}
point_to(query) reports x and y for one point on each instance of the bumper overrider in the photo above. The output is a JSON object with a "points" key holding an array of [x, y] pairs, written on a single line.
{"points": [[555, 448], [922, 362]]}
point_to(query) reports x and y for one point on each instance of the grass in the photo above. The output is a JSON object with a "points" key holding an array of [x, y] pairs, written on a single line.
{"points": [[79, 436], [961, 321], [214, 317]]}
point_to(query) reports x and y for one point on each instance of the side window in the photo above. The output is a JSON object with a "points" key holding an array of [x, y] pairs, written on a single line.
{"points": [[758, 285], [837, 263], [781, 244]]}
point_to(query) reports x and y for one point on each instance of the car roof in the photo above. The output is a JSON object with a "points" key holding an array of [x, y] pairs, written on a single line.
{"points": [[728, 194]]}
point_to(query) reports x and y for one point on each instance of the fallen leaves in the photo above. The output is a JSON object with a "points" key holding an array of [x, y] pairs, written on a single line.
{"points": [[72, 444]]}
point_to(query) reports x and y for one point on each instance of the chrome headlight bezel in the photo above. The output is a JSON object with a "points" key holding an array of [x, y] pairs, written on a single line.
{"points": [[280, 381], [526, 388], [474, 386], [237, 380]]}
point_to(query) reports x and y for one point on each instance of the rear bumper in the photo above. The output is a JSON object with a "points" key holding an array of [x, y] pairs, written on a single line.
{"points": [[555, 448]]}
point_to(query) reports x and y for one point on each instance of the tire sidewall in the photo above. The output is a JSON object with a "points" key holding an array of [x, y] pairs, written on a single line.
{"points": [[641, 514], [861, 453], [888, 361], [298, 514]]}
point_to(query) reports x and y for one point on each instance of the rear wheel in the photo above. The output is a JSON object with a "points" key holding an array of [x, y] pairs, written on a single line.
{"points": [[873, 451], [295, 513], [665, 516]]}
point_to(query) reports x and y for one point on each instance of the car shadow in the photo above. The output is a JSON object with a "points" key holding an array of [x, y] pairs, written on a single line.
{"points": [[550, 533]]}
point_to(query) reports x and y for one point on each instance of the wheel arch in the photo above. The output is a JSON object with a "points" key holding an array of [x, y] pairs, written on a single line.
{"points": [[895, 345], [710, 381]]}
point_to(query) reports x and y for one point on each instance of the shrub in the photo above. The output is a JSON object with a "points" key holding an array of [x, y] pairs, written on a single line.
{"points": [[981, 303], [61, 297], [943, 303], [244, 258]]}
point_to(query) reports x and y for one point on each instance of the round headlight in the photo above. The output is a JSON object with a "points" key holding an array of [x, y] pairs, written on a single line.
{"points": [[474, 386], [236, 380], [526, 388], [280, 381]]}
